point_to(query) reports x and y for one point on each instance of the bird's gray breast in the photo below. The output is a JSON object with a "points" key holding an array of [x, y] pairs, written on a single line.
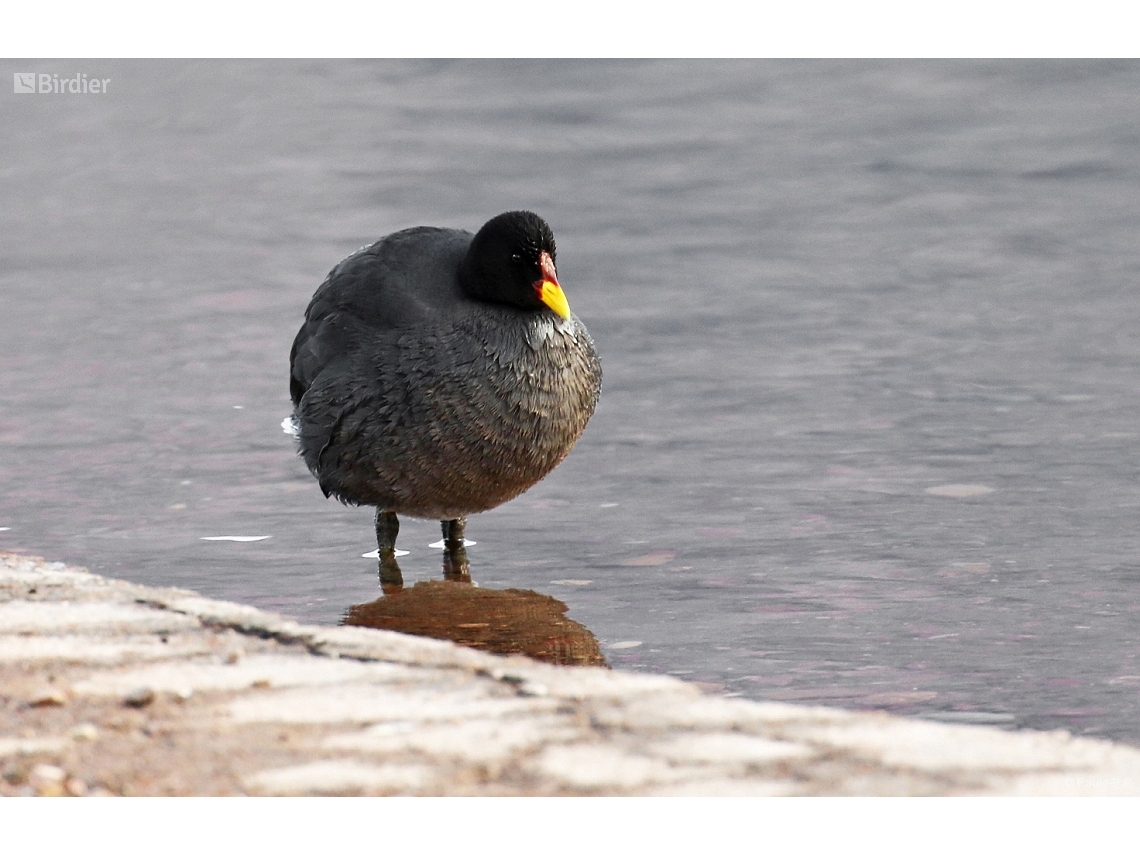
{"points": [[519, 384], [497, 405], [453, 417]]}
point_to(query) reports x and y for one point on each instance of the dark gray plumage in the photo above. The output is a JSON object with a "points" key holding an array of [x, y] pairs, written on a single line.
{"points": [[438, 374]]}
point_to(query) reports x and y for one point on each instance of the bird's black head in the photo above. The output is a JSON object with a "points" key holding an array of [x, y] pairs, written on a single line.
{"points": [[511, 260]]}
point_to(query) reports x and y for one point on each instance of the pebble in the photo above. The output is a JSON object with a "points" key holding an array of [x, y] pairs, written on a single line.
{"points": [[49, 698], [47, 780], [75, 787], [14, 775], [85, 732], [508, 678], [140, 697]]}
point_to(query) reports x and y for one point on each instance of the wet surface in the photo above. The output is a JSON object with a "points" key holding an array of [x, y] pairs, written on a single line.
{"points": [[868, 430], [506, 622]]}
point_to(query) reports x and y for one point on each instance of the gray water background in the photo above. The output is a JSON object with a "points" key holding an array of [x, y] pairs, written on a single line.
{"points": [[820, 290]]}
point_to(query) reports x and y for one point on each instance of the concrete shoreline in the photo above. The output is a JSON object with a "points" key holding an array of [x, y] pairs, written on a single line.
{"points": [[113, 688]]}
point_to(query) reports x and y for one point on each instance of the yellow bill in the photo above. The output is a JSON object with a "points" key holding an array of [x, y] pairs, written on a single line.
{"points": [[548, 289]]}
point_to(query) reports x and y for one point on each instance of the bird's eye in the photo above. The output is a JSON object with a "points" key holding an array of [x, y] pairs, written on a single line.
{"points": [[516, 257]]}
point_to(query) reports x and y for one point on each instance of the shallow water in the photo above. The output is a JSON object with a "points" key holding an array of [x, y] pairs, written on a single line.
{"points": [[869, 428]]}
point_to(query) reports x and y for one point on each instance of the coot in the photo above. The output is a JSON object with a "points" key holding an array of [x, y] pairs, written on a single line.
{"points": [[439, 374]]}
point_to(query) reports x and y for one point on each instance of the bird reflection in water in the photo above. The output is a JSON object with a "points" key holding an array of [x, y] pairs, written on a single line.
{"points": [[496, 621]]}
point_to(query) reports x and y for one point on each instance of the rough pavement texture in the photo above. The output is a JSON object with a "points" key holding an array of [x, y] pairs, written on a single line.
{"points": [[112, 688]]}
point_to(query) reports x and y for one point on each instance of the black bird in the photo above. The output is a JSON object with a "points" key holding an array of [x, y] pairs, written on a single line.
{"points": [[439, 374]]}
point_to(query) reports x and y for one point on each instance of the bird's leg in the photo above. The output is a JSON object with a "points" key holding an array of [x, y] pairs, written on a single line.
{"points": [[387, 528], [453, 533], [456, 567]]}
